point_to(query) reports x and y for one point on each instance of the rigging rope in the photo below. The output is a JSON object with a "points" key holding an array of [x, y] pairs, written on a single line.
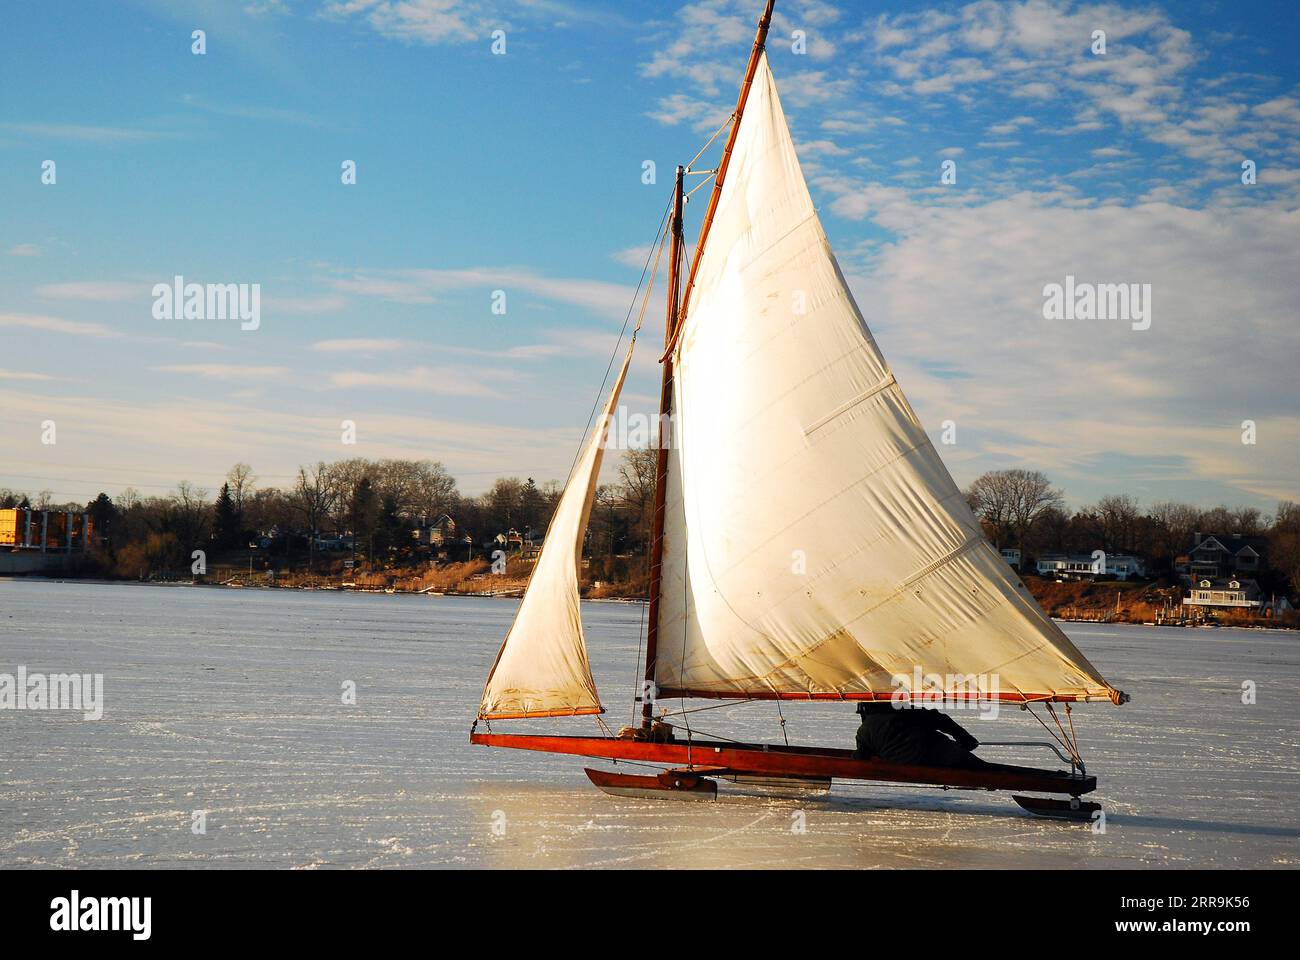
{"points": [[725, 123], [600, 393], [702, 183], [1073, 750], [637, 671], [712, 706], [1068, 748], [1073, 739]]}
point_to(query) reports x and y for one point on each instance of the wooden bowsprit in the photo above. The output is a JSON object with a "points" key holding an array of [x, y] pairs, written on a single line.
{"points": [[691, 759]]}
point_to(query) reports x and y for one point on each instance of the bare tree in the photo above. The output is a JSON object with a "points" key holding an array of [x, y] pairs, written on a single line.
{"points": [[314, 498], [1118, 518], [400, 481], [604, 512], [433, 489], [347, 475], [552, 490], [1009, 501], [127, 499], [241, 482], [188, 516], [988, 497], [1284, 544], [501, 505], [637, 489]]}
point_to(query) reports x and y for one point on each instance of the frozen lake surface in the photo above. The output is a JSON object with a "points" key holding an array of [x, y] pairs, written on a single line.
{"points": [[230, 702]]}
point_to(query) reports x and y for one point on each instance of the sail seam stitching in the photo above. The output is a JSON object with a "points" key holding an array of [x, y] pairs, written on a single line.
{"points": [[848, 405]]}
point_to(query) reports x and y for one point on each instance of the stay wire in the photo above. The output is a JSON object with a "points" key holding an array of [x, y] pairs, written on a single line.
{"points": [[600, 393]]}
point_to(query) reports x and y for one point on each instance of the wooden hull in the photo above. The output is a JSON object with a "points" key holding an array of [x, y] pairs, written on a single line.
{"points": [[774, 761], [669, 785]]}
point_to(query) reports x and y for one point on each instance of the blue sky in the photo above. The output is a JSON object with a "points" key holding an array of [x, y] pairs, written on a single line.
{"points": [[522, 172]]}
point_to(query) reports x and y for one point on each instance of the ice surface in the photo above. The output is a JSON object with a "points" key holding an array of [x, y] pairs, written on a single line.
{"points": [[230, 701]]}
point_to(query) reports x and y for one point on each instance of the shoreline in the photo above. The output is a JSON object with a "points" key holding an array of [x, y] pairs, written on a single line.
{"points": [[516, 593]]}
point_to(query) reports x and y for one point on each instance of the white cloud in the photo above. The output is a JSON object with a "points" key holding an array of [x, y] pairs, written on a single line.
{"points": [[358, 346], [962, 286], [34, 321], [87, 133], [207, 433], [820, 148], [1040, 51], [683, 108], [437, 22], [447, 381], [226, 371], [420, 286], [635, 257], [303, 305], [98, 291], [426, 21]]}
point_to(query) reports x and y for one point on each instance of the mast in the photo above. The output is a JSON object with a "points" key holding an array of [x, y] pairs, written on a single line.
{"points": [[760, 39], [661, 468], [673, 323]]}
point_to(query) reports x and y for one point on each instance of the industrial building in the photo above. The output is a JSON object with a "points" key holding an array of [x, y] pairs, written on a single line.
{"points": [[34, 540]]}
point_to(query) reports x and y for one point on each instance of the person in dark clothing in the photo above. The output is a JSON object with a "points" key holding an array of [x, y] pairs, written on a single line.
{"points": [[914, 736]]}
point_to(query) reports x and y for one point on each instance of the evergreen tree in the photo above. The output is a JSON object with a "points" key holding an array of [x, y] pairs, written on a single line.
{"points": [[226, 531], [363, 513], [103, 514], [530, 507], [391, 534]]}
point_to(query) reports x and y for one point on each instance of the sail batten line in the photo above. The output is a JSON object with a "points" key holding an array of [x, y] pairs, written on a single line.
{"points": [[848, 405]]}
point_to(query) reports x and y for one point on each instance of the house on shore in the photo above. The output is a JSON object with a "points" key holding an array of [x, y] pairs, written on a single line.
{"points": [[1093, 566], [1232, 593], [1218, 556], [439, 532]]}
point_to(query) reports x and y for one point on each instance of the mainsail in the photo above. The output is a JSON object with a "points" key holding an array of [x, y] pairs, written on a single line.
{"points": [[542, 668], [815, 546]]}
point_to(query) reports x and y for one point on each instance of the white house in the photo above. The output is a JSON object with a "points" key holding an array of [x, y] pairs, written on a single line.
{"points": [[1214, 592], [1118, 566]]}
